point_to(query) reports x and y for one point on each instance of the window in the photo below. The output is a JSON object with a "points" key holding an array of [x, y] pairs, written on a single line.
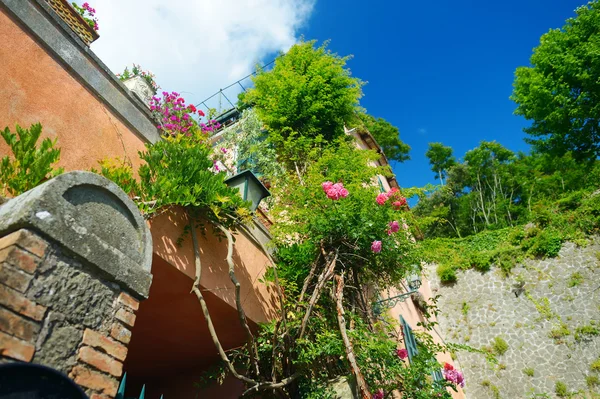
{"points": [[409, 339]]}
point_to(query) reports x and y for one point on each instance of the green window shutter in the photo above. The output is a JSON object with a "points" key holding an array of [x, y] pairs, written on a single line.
{"points": [[380, 185], [409, 339], [437, 375]]}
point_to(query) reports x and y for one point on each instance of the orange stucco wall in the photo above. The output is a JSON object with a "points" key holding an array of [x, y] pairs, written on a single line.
{"points": [[36, 88], [259, 300]]}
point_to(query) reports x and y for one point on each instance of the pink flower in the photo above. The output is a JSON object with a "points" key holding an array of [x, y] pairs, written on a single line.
{"points": [[216, 166], [334, 191], [327, 186], [394, 226], [390, 193], [402, 353], [224, 150], [381, 198], [404, 226], [454, 376], [379, 394], [376, 246]]}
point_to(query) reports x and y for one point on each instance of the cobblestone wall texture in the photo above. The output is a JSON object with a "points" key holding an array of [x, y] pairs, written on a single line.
{"points": [[552, 327]]}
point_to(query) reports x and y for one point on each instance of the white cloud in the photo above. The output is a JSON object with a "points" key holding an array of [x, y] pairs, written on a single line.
{"points": [[196, 47], [422, 130]]}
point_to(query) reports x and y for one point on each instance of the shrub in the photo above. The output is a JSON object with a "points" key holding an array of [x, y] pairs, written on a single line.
{"points": [[529, 372], [548, 243], [561, 389], [446, 273], [30, 165], [499, 346], [481, 261]]}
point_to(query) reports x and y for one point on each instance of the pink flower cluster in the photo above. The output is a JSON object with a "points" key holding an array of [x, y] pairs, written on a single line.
{"points": [[334, 191], [211, 126], [379, 394], [87, 12], [394, 227], [376, 246], [398, 201], [402, 353], [175, 115], [452, 375]]}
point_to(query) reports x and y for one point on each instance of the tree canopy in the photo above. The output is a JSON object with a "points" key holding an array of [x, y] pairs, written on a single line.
{"points": [[309, 92], [441, 159], [560, 91], [388, 137]]}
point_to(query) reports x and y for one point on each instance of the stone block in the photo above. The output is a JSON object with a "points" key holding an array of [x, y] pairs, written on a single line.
{"points": [[91, 217]]}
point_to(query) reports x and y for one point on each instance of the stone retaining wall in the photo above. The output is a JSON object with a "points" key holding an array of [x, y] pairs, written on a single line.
{"points": [[541, 311]]}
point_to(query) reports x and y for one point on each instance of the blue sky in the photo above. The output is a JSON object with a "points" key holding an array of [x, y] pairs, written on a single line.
{"points": [[441, 71]]}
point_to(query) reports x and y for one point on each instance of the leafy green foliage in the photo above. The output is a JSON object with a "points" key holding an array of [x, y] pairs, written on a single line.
{"points": [[560, 92], [178, 172], [30, 165], [441, 160], [349, 225], [575, 279], [305, 99], [387, 136]]}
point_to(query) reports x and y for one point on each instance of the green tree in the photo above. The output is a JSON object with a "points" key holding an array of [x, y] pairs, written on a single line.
{"points": [[305, 100], [441, 159], [560, 91], [388, 137]]}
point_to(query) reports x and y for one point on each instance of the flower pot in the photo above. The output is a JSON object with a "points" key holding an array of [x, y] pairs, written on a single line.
{"points": [[75, 21], [141, 88]]}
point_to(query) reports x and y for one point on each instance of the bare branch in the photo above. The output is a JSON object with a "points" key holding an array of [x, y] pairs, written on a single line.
{"points": [[323, 278], [211, 328], [269, 385], [337, 294], [308, 278], [252, 349]]}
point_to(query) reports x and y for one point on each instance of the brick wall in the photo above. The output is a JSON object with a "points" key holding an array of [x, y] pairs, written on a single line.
{"points": [[57, 311]]}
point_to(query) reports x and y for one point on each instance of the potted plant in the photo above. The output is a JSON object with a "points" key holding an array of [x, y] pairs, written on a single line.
{"points": [[140, 82], [81, 19]]}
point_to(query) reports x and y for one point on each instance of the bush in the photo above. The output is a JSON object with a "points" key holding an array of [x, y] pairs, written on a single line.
{"points": [[561, 389], [31, 165], [548, 243], [595, 366], [481, 261], [499, 346], [446, 273]]}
